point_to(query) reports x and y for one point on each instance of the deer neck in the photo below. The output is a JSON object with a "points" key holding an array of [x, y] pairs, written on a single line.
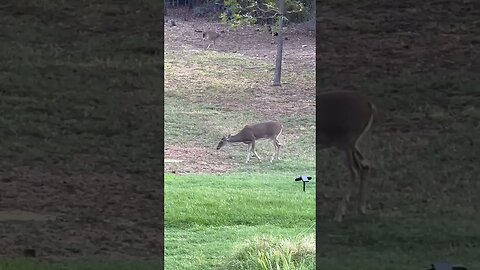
{"points": [[236, 138]]}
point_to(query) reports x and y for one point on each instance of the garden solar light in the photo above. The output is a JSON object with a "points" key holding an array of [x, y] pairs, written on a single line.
{"points": [[445, 266], [305, 179]]}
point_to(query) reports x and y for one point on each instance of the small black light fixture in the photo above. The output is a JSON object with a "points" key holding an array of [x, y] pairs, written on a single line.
{"points": [[305, 179], [446, 266]]}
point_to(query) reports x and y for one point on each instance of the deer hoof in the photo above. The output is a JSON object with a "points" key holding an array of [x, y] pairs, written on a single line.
{"points": [[342, 209]]}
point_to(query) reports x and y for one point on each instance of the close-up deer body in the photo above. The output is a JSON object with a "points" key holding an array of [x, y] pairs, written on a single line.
{"points": [[250, 133], [343, 118]]}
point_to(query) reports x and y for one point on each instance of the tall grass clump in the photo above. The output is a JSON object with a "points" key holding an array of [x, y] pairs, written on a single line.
{"points": [[269, 253]]}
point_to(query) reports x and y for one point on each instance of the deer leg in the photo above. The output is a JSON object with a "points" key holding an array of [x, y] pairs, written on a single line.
{"points": [[362, 199], [277, 145], [278, 148], [342, 207], [362, 169], [248, 152], [362, 162], [274, 152], [254, 151]]}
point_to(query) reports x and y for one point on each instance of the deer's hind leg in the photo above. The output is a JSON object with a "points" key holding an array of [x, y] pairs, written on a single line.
{"points": [[275, 150], [362, 166], [342, 207], [276, 147]]}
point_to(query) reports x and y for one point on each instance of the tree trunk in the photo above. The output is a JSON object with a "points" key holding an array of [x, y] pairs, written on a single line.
{"points": [[164, 9], [313, 20], [188, 11], [278, 62]]}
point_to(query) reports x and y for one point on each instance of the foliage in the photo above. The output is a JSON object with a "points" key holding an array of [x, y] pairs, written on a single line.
{"points": [[204, 10], [268, 253], [263, 12]]}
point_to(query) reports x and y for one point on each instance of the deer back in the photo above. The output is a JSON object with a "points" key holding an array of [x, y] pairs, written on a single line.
{"points": [[266, 130], [342, 115]]}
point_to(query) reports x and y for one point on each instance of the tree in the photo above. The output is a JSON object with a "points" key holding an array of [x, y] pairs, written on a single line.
{"points": [[266, 11], [263, 11], [278, 62]]}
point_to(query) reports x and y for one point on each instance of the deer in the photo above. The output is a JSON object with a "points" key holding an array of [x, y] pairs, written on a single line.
{"points": [[251, 133], [343, 119], [211, 37]]}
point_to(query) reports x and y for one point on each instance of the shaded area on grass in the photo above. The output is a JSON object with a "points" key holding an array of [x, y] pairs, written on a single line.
{"points": [[88, 264], [80, 103], [418, 61]]}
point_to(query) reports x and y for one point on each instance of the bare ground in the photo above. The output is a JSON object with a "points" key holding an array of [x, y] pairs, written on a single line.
{"points": [[63, 215]]}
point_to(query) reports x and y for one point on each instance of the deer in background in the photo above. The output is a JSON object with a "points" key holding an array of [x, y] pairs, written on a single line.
{"points": [[251, 133], [343, 118], [210, 36]]}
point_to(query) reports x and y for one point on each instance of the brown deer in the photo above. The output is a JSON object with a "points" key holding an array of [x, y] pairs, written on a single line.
{"points": [[343, 118], [251, 133], [211, 37]]}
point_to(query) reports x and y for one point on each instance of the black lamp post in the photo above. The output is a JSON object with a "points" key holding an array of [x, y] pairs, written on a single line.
{"points": [[305, 179]]}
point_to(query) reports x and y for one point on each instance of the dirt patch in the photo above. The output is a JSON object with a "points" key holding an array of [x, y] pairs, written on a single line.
{"points": [[267, 101], [253, 41], [197, 160], [17, 215], [97, 214]]}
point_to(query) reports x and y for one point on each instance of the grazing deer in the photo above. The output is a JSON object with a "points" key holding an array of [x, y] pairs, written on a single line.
{"points": [[250, 133], [211, 37], [343, 118]]}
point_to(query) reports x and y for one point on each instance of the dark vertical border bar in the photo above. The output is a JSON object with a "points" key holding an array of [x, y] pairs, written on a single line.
{"points": [[317, 161], [162, 123], [161, 137]]}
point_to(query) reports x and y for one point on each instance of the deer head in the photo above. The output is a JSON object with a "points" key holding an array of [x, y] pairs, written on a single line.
{"points": [[223, 141]]}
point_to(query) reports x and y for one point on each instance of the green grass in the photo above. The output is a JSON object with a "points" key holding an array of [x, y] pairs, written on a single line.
{"points": [[208, 217], [213, 221], [271, 253]]}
